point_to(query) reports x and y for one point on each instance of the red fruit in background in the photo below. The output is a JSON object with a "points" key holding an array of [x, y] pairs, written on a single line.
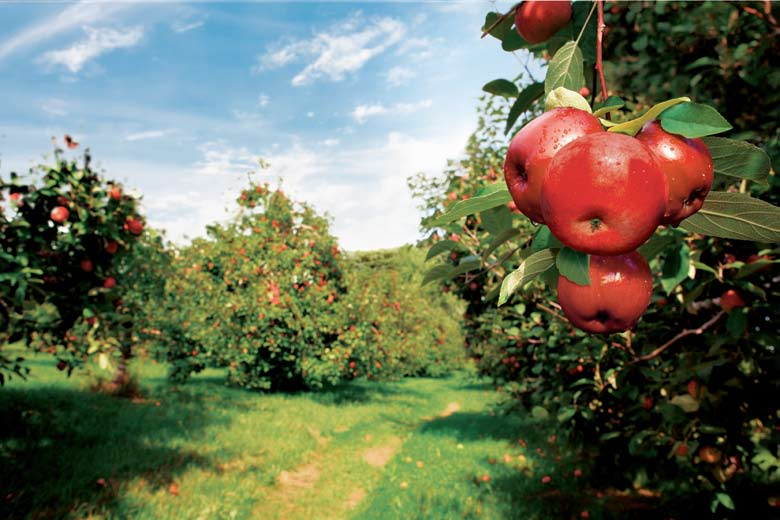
{"points": [[485, 478], [688, 167], [537, 20], [532, 149], [17, 199], [452, 196], [112, 247], [134, 226], [647, 404], [62, 365], [109, 282], [491, 460], [731, 300], [546, 479], [59, 214], [87, 266], [577, 472], [604, 194], [710, 454], [693, 389], [352, 364], [682, 450], [115, 193], [584, 92], [619, 292]]}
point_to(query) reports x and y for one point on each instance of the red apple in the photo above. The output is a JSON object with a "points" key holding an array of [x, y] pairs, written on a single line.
{"points": [[59, 214], [115, 193], [109, 282], [537, 20], [532, 149], [604, 194], [112, 247], [87, 266], [619, 292], [688, 167], [134, 225], [731, 299]]}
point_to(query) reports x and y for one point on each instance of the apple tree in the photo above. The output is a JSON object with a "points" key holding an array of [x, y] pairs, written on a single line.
{"points": [[674, 409], [65, 231]]}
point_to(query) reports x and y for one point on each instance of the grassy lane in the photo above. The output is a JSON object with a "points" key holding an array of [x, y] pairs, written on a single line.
{"points": [[412, 449]]}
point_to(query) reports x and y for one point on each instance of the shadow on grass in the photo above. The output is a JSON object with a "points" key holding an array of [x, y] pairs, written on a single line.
{"points": [[361, 392], [474, 426], [66, 452]]}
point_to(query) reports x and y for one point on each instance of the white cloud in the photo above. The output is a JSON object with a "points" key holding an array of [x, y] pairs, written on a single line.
{"points": [[334, 54], [416, 48], [81, 13], [221, 159], [363, 112], [398, 75], [55, 107], [310, 114], [182, 26], [150, 134], [97, 42], [330, 142], [263, 101]]}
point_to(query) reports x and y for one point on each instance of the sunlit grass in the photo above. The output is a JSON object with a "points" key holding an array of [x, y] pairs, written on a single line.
{"points": [[418, 448]]}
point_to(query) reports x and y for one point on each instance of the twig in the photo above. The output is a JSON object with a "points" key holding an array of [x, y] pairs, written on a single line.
{"points": [[499, 20], [687, 332], [599, 40], [550, 311]]}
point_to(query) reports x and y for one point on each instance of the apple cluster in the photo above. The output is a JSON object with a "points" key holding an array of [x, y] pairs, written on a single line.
{"points": [[604, 194]]}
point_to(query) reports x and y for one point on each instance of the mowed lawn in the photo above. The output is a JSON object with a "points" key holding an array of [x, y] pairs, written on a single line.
{"points": [[418, 448]]}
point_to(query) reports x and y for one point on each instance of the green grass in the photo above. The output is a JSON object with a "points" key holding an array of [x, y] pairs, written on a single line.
{"points": [[203, 450]]}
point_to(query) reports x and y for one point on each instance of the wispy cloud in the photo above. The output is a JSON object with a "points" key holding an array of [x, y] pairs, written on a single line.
{"points": [[55, 107], [79, 14], [263, 101], [220, 158], [149, 134], [363, 112], [334, 54], [97, 42], [182, 26], [399, 75]]}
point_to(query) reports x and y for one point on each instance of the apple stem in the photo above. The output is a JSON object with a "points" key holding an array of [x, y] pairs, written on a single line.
{"points": [[687, 332], [552, 312], [599, 64]]}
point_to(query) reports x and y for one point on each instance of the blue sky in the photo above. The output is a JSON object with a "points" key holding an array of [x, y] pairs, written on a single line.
{"points": [[344, 100]]}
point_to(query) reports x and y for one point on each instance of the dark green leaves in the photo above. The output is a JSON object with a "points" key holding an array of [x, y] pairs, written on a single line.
{"points": [[544, 239], [565, 69], [441, 247], [438, 272], [675, 269], [612, 104], [501, 87], [693, 120], [523, 102], [500, 31], [574, 265], [531, 267], [737, 216], [738, 159], [498, 196]]}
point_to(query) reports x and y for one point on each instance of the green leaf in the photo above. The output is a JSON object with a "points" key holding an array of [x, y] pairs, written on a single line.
{"points": [[513, 41], [501, 238], [574, 265], [524, 100], [438, 272], [566, 413], [539, 412], [610, 435], [736, 323], [442, 247], [635, 125], [737, 216], [500, 31], [501, 87], [473, 205], [725, 500], [655, 245], [686, 402], [612, 104], [497, 219], [565, 69], [693, 120], [529, 269], [544, 239], [563, 97], [675, 268], [467, 263], [738, 159]]}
